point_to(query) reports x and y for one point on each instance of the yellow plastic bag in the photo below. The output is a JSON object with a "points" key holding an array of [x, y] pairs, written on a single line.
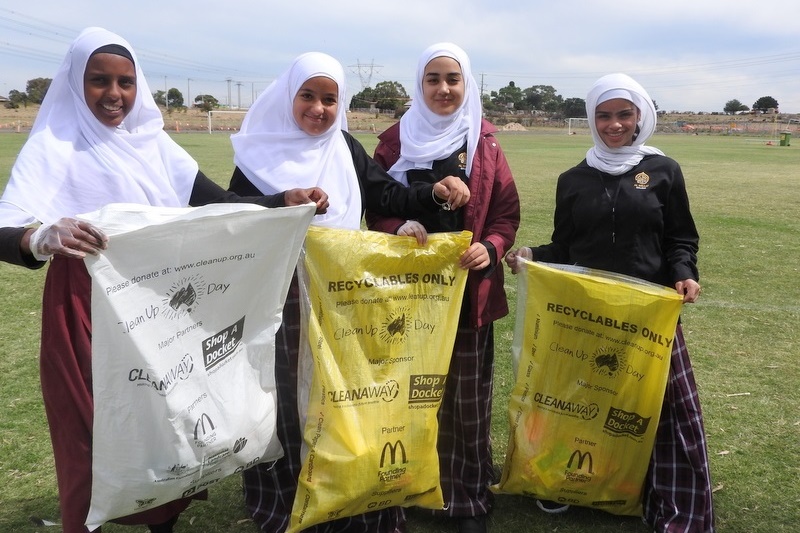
{"points": [[591, 352], [383, 318]]}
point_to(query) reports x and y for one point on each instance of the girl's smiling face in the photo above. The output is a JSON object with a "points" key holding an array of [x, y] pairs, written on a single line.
{"points": [[443, 85], [616, 121], [109, 87], [315, 105]]}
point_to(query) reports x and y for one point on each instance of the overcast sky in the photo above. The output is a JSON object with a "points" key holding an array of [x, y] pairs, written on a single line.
{"points": [[691, 55]]}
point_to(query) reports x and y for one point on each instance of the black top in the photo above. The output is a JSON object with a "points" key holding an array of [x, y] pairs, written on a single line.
{"points": [[10, 252], [379, 191], [454, 165], [637, 223], [206, 192]]}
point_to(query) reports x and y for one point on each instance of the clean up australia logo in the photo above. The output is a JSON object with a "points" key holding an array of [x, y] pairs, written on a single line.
{"points": [[183, 296], [395, 328], [608, 362]]}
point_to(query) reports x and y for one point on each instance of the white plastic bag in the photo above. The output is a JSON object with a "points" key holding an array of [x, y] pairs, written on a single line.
{"points": [[185, 306]]}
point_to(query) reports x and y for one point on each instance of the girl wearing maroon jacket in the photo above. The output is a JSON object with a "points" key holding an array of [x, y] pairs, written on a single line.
{"points": [[443, 134]]}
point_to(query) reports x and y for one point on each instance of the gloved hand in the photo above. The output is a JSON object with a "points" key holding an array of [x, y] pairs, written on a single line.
{"points": [[68, 237], [513, 258]]}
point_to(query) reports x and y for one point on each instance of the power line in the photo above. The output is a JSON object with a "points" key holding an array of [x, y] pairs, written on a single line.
{"points": [[30, 53], [365, 72], [43, 30]]}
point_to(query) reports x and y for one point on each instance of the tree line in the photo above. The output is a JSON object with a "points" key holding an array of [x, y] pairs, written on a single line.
{"points": [[173, 99], [392, 96], [763, 104]]}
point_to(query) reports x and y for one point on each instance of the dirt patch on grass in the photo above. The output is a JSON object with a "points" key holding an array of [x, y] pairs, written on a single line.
{"points": [[17, 119]]}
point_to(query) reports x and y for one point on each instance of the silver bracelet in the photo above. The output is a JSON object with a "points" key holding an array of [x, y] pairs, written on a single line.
{"points": [[445, 205]]}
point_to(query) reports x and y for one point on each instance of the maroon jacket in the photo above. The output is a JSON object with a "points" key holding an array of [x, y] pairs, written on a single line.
{"points": [[492, 215]]}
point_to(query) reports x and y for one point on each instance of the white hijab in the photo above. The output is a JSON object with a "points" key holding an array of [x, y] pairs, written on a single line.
{"points": [[616, 161], [276, 155], [72, 163], [426, 137]]}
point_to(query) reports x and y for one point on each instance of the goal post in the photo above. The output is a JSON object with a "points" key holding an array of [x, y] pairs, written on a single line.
{"points": [[225, 120], [577, 125]]}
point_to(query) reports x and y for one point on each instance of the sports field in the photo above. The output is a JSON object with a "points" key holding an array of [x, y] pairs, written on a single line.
{"points": [[743, 337]]}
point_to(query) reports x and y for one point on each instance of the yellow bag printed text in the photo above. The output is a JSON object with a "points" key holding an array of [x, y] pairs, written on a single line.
{"points": [[382, 317], [592, 352]]}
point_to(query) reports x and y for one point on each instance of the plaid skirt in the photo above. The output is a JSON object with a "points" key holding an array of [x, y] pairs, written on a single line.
{"points": [[465, 417], [270, 488], [677, 494]]}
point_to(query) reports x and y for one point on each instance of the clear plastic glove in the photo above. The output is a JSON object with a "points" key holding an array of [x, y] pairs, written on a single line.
{"points": [[412, 228], [512, 258], [68, 237]]}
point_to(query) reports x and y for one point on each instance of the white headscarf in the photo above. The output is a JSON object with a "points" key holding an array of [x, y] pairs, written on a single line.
{"points": [[616, 161], [426, 137], [72, 163], [276, 155]]}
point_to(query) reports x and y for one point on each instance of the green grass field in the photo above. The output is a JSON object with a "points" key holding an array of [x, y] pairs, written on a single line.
{"points": [[742, 336]]}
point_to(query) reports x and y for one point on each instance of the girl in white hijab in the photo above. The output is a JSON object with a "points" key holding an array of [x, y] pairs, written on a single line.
{"points": [[72, 163], [625, 209], [617, 160], [426, 136], [97, 139], [296, 134], [273, 151]]}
